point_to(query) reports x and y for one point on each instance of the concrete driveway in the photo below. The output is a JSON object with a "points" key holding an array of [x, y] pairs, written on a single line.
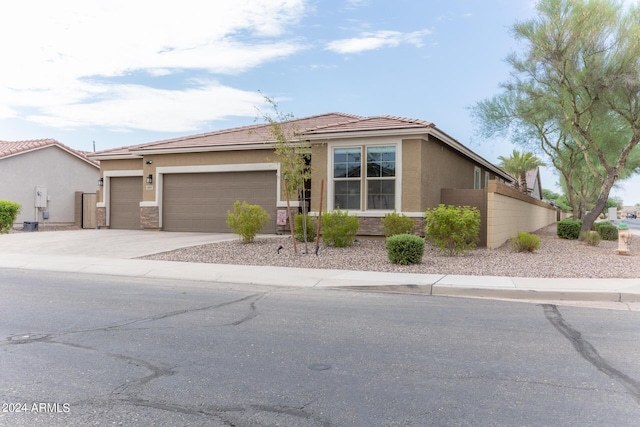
{"points": [[104, 243]]}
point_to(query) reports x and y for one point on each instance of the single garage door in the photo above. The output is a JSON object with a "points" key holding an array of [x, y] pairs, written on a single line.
{"points": [[126, 195], [200, 201]]}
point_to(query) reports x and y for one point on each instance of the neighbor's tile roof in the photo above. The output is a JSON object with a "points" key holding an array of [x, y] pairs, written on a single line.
{"points": [[260, 133], [12, 148]]}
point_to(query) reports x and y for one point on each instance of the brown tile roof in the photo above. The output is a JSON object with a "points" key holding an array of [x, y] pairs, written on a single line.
{"points": [[12, 148], [372, 124], [261, 133]]}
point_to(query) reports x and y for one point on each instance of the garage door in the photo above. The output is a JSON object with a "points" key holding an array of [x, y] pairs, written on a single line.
{"points": [[126, 195], [200, 201]]}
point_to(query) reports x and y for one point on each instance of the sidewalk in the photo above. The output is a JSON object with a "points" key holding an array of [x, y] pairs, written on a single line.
{"points": [[613, 290], [67, 252]]}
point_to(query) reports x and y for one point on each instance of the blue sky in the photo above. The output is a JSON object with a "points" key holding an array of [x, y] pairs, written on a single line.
{"points": [[128, 72]]}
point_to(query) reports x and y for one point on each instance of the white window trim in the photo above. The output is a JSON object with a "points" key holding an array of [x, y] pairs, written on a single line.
{"points": [[477, 178], [363, 143], [486, 179]]}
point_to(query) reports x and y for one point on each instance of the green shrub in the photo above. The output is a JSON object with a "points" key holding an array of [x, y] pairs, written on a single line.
{"points": [[312, 225], [8, 213], [606, 230], [525, 242], [569, 229], [405, 249], [339, 229], [453, 229], [247, 220], [394, 223], [591, 238]]}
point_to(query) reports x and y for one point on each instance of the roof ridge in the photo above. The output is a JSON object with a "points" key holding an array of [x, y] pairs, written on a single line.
{"points": [[32, 144]]}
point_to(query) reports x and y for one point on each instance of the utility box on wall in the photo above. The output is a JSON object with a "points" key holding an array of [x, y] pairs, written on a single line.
{"points": [[41, 197]]}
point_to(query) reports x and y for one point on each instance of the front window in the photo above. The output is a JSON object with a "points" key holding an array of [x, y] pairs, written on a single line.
{"points": [[347, 166], [378, 185], [381, 173]]}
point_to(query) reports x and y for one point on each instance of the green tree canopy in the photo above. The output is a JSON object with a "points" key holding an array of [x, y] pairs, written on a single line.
{"points": [[575, 93], [518, 164]]}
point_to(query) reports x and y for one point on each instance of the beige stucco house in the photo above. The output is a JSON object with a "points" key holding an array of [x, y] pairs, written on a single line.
{"points": [[369, 165], [44, 175]]}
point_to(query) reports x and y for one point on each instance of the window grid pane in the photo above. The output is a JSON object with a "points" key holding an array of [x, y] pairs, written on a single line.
{"points": [[381, 162]]}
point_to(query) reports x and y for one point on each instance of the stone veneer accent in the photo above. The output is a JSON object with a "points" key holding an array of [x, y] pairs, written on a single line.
{"points": [[149, 218], [101, 217], [372, 226]]}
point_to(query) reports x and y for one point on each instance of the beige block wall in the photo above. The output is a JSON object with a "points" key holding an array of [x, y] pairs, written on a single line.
{"points": [[508, 213]]}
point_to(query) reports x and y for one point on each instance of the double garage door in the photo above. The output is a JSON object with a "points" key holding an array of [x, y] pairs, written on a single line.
{"points": [[200, 201]]}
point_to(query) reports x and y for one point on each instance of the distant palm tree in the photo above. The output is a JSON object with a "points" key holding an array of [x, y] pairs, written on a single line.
{"points": [[518, 164]]}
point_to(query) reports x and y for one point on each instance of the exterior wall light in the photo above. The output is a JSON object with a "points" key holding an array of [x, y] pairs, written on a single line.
{"points": [[150, 179], [100, 182]]}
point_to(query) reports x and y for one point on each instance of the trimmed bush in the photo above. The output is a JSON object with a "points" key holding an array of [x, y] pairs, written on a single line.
{"points": [[312, 226], [525, 242], [247, 220], [569, 229], [405, 249], [606, 230], [339, 229], [453, 229], [591, 238], [8, 213], [394, 223]]}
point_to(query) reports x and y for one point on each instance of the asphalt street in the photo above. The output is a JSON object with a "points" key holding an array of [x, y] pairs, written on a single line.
{"points": [[80, 349]]}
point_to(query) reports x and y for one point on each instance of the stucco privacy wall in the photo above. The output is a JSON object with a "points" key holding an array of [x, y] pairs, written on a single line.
{"points": [[510, 211], [60, 172]]}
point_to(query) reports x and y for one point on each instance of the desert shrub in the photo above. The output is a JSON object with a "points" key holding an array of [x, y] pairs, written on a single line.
{"points": [[394, 223], [569, 229], [453, 229], [525, 242], [606, 230], [591, 238], [247, 220], [312, 225], [339, 229], [405, 249], [8, 213]]}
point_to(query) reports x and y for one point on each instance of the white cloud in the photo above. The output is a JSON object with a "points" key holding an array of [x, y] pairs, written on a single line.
{"points": [[141, 107], [54, 52], [377, 40]]}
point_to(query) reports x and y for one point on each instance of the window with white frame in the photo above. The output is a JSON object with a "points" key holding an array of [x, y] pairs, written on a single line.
{"points": [[378, 185], [486, 179], [476, 178], [381, 178], [347, 167]]}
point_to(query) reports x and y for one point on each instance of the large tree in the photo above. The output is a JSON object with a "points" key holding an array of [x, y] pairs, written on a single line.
{"points": [[575, 90]]}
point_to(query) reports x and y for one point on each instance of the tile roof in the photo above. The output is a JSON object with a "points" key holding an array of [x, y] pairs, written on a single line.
{"points": [[261, 133], [12, 148]]}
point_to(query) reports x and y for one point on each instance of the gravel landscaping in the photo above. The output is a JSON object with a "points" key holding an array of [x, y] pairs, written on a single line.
{"points": [[555, 258]]}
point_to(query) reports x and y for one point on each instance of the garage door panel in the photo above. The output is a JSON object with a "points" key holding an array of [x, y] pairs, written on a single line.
{"points": [[200, 201], [125, 198]]}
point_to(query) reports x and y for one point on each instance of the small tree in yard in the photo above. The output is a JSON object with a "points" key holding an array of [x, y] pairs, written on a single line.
{"points": [[247, 220], [453, 229], [293, 155], [8, 213]]}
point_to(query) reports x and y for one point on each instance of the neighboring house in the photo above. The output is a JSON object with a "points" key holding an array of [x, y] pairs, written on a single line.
{"points": [[43, 175], [369, 165], [534, 188]]}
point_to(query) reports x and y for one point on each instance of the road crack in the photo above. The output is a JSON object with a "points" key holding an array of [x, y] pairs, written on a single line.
{"points": [[589, 352]]}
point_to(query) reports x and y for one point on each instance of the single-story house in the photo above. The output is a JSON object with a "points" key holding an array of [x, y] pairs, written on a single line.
{"points": [[44, 175], [368, 165]]}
